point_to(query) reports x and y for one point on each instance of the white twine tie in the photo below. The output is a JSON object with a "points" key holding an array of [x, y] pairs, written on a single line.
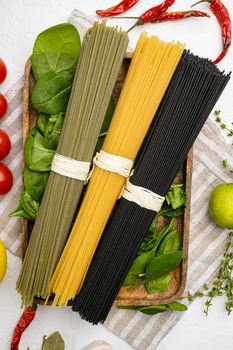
{"points": [[143, 197], [113, 163], [70, 167]]}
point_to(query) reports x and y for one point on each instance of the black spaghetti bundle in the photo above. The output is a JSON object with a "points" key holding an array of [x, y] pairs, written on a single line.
{"points": [[195, 88]]}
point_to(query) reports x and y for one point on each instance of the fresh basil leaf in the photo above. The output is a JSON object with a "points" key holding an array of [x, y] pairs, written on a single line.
{"points": [[150, 239], [53, 342], [153, 229], [138, 267], [51, 93], [140, 263], [176, 197], [171, 243], [38, 152], [35, 183], [162, 265], [146, 246], [163, 233], [50, 126], [21, 213], [53, 128], [56, 50], [29, 205], [148, 310], [167, 211], [155, 309], [177, 307], [42, 121], [158, 285]]}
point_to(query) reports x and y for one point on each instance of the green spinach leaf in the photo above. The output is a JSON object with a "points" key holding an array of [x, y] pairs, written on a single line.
{"points": [[35, 183], [150, 239], [56, 50], [158, 285], [177, 307], [167, 229], [176, 197], [162, 265], [42, 121], [138, 267], [51, 93], [156, 309], [171, 243], [51, 126], [38, 152], [171, 213], [28, 207], [20, 212], [174, 204]]}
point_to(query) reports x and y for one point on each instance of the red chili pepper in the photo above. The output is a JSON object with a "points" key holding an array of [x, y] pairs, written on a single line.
{"points": [[154, 12], [122, 7], [224, 20], [172, 16], [23, 323]]}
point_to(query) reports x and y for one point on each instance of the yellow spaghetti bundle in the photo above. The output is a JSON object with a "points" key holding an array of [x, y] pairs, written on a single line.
{"points": [[150, 72]]}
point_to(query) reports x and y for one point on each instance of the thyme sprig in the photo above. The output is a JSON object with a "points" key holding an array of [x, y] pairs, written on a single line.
{"points": [[223, 126], [222, 284]]}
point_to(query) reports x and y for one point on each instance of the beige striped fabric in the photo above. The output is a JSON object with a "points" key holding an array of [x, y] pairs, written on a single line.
{"points": [[206, 239], [10, 230]]}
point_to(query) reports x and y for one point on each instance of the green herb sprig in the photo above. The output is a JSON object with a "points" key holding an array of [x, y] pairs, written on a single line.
{"points": [[222, 284], [229, 131], [218, 119]]}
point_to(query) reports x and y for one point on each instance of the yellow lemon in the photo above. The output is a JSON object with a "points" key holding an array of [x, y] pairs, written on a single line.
{"points": [[3, 260], [221, 205]]}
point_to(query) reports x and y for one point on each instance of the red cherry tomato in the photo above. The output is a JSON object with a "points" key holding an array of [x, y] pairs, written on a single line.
{"points": [[3, 105], [6, 179], [5, 144], [3, 71]]}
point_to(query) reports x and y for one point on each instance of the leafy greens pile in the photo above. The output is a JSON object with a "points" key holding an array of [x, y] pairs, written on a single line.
{"points": [[160, 253], [40, 147], [54, 60]]}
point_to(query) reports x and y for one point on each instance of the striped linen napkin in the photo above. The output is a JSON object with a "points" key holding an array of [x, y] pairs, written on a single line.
{"points": [[207, 241]]}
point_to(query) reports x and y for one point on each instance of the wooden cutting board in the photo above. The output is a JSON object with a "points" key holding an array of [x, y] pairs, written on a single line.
{"points": [[137, 296]]}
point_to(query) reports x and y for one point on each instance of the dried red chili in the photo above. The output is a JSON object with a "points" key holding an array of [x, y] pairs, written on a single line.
{"points": [[122, 7], [173, 16], [224, 20], [154, 12], [23, 323]]}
